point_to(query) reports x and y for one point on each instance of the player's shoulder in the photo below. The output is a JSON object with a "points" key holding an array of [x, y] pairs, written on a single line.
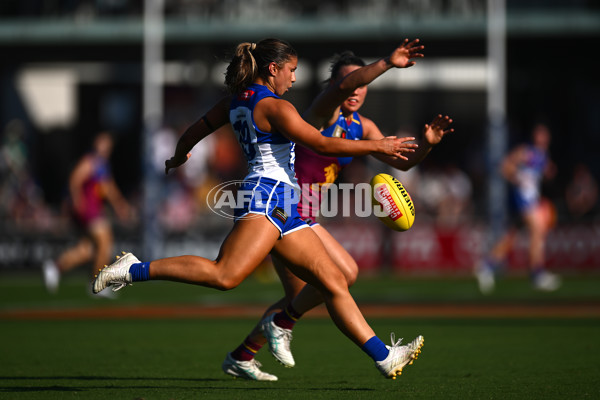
{"points": [[89, 160], [364, 120], [276, 105], [519, 152], [369, 128]]}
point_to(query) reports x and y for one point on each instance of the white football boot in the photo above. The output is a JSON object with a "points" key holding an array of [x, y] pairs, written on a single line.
{"points": [[245, 369], [51, 276], [116, 274], [399, 356], [279, 341], [485, 277], [546, 281]]}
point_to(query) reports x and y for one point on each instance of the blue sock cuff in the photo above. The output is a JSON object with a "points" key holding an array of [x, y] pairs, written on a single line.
{"points": [[140, 271], [376, 349]]}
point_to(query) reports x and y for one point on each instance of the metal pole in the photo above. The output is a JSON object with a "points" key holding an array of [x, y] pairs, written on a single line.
{"points": [[153, 116], [496, 110]]}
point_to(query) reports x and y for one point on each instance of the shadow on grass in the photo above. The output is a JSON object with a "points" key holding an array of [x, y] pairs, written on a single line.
{"points": [[101, 378], [36, 380], [36, 387]]}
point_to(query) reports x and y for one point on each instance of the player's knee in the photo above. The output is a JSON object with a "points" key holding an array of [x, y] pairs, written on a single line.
{"points": [[351, 274], [351, 280], [335, 281], [349, 268], [226, 281], [225, 284], [86, 249]]}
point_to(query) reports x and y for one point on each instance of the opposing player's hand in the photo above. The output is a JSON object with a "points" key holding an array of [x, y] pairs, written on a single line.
{"points": [[396, 147], [174, 162], [434, 132], [125, 212], [401, 57]]}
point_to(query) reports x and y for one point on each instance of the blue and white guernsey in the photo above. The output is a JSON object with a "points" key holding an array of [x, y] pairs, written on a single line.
{"points": [[269, 155], [530, 172], [271, 184]]}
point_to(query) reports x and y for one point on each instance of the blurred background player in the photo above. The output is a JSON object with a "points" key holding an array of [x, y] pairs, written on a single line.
{"points": [[90, 185], [525, 168], [335, 113], [582, 194]]}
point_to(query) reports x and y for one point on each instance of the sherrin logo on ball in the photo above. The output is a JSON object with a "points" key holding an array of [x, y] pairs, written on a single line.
{"points": [[397, 208]]}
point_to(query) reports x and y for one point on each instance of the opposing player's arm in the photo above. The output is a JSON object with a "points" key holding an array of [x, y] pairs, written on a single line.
{"points": [[77, 178], [215, 118], [510, 164], [116, 199], [432, 134], [330, 98], [283, 117]]}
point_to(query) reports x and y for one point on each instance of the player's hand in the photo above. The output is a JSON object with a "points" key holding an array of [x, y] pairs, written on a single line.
{"points": [[434, 132], [126, 213], [396, 147], [174, 162], [401, 57]]}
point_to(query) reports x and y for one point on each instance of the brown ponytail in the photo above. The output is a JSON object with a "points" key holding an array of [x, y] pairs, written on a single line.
{"points": [[252, 60]]}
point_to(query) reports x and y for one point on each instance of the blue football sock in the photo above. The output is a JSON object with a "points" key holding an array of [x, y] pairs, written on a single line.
{"points": [[376, 349], [140, 271]]}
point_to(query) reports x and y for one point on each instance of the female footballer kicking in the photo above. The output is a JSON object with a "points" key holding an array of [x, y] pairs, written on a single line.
{"points": [[267, 128], [335, 113]]}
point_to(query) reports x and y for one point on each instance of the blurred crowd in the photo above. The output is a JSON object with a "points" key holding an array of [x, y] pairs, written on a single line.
{"points": [[22, 203], [216, 159], [261, 9], [444, 193], [267, 10]]}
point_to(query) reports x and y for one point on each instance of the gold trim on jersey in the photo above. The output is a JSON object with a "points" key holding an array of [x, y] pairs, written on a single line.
{"points": [[331, 174]]}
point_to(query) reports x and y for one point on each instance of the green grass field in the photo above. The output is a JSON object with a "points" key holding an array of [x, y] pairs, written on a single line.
{"points": [[179, 358]]}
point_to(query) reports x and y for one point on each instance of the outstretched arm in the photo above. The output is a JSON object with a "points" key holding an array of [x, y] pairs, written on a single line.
{"points": [[433, 133], [215, 118], [82, 171], [510, 164], [117, 200], [281, 115], [322, 108]]}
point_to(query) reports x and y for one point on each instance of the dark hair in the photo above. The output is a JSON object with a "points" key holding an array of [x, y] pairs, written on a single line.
{"points": [[343, 59], [251, 60]]}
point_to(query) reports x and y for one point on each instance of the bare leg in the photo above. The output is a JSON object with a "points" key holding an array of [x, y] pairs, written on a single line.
{"points": [[310, 297], [537, 238], [338, 254], [102, 236], [293, 286], [538, 229], [69, 259], [245, 247], [501, 249], [306, 256], [73, 257]]}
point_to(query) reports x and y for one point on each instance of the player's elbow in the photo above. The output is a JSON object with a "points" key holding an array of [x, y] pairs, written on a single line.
{"points": [[345, 87], [320, 147], [402, 165]]}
